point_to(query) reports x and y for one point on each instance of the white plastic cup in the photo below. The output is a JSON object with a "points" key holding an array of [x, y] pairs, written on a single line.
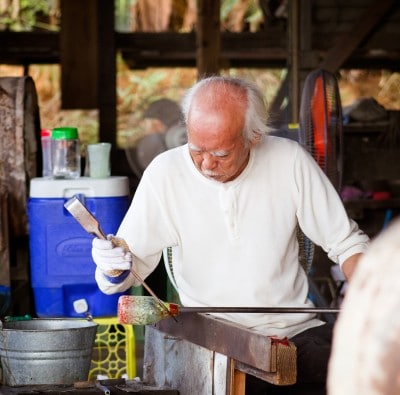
{"points": [[98, 157]]}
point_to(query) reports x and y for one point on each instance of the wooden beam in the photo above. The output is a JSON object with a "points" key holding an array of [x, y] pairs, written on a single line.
{"points": [[367, 22], [265, 49], [167, 49]]}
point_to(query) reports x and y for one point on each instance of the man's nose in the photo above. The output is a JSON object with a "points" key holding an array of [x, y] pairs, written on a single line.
{"points": [[209, 161]]}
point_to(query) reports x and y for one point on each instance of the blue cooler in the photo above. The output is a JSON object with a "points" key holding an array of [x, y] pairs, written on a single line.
{"points": [[62, 269]]}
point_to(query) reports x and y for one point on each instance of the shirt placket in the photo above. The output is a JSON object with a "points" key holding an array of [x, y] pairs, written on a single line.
{"points": [[228, 202]]}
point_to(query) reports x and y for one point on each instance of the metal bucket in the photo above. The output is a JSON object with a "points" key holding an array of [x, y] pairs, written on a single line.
{"points": [[46, 351]]}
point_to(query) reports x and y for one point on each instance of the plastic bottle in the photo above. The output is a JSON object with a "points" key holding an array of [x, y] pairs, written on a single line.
{"points": [[65, 152], [45, 137]]}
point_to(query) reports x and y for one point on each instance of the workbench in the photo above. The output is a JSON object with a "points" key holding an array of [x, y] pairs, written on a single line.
{"points": [[213, 356]]}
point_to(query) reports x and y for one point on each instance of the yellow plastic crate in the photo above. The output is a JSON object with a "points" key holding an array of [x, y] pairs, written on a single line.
{"points": [[113, 351]]}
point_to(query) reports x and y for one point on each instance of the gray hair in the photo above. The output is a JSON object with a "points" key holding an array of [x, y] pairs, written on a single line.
{"points": [[256, 117]]}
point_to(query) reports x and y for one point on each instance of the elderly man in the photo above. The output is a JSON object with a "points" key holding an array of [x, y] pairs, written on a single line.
{"points": [[229, 202]]}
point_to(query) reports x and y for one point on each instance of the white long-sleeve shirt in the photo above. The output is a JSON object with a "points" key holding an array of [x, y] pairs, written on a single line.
{"points": [[235, 243]]}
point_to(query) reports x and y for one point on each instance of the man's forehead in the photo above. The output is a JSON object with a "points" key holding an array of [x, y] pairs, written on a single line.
{"points": [[210, 148], [207, 140]]}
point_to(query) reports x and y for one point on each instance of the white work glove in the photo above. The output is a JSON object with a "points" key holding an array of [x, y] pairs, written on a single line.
{"points": [[113, 261]]}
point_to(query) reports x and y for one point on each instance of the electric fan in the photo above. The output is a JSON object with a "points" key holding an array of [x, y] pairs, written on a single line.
{"points": [[321, 133], [170, 133], [321, 125]]}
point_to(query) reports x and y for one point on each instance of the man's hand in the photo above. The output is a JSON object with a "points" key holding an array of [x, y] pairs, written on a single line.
{"points": [[111, 259]]}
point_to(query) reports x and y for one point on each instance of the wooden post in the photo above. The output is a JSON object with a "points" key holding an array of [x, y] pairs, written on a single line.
{"points": [[78, 54], [107, 73], [88, 61], [208, 39], [293, 40]]}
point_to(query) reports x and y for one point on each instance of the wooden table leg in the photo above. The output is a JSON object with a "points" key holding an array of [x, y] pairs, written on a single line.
{"points": [[237, 380]]}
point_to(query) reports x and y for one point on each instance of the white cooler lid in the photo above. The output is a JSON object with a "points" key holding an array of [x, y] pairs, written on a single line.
{"points": [[113, 186]]}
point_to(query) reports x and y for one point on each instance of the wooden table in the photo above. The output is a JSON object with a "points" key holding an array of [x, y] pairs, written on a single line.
{"points": [[213, 356]]}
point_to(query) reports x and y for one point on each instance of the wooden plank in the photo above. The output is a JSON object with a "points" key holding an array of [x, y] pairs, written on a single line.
{"points": [[222, 336], [179, 364], [179, 49], [270, 377], [29, 47], [220, 374]]}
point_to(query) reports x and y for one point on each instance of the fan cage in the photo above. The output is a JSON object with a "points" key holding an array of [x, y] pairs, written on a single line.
{"points": [[321, 129]]}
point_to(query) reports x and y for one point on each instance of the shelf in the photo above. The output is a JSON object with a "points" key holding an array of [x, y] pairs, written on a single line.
{"points": [[362, 128], [372, 204]]}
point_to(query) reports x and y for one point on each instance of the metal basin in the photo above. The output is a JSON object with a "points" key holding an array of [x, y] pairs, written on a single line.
{"points": [[46, 351]]}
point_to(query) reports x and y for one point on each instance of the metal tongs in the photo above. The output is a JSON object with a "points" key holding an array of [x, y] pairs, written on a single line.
{"points": [[88, 222]]}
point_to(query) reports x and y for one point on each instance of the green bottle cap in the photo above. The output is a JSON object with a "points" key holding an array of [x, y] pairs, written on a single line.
{"points": [[64, 133]]}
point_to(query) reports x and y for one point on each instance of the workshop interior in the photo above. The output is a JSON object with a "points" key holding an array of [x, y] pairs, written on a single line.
{"points": [[98, 85]]}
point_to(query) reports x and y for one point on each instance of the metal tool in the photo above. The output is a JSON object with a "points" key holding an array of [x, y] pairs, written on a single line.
{"points": [[87, 220], [103, 388], [103, 385], [141, 310]]}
